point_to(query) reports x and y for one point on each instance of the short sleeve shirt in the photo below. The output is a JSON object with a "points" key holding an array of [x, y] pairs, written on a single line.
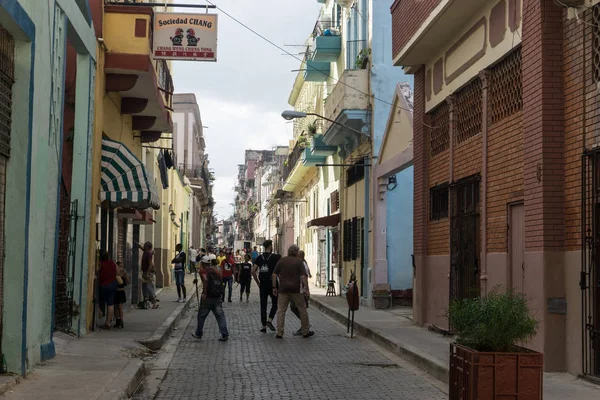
{"points": [[266, 265], [290, 271]]}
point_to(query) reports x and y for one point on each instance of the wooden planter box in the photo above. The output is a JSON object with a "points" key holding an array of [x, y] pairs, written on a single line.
{"points": [[478, 375]]}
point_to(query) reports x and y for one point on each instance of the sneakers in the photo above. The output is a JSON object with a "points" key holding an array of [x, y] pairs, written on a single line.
{"points": [[264, 330], [311, 333], [196, 336], [223, 338], [182, 301], [299, 331], [177, 301], [271, 326]]}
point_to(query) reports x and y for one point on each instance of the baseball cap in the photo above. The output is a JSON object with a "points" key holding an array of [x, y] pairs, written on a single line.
{"points": [[205, 260]]}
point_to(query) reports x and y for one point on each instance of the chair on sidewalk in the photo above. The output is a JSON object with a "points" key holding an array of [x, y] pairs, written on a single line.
{"points": [[331, 289]]}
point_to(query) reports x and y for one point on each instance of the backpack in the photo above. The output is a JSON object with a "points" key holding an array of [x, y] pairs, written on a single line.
{"points": [[214, 284]]}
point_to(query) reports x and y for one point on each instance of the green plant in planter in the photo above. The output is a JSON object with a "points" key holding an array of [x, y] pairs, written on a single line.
{"points": [[362, 59], [495, 323], [312, 128]]}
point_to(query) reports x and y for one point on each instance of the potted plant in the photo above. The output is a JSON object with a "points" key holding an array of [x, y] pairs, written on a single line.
{"points": [[486, 361], [362, 59], [312, 128]]}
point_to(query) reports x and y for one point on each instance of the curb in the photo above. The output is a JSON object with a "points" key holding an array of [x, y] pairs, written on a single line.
{"points": [[126, 382], [432, 366], [8, 382], [160, 335]]}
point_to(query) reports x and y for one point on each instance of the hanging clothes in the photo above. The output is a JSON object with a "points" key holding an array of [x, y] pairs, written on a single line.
{"points": [[162, 166], [169, 159]]}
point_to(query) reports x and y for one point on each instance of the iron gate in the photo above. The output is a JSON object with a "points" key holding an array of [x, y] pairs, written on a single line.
{"points": [[65, 271], [589, 280], [464, 238]]}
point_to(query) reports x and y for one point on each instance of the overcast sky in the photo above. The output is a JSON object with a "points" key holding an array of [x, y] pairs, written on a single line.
{"points": [[241, 96]]}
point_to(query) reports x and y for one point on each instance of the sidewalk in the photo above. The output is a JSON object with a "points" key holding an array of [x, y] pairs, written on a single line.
{"points": [[394, 330], [104, 365]]}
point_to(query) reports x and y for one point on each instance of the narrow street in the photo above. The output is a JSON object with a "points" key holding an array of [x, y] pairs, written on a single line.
{"points": [[253, 365]]}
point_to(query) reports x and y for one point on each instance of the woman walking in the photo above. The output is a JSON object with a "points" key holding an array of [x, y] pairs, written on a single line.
{"points": [[107, 276], [120, 297], [244, 277]]}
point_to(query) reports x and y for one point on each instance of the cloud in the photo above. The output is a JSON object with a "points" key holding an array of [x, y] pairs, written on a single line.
{"points": [[241, 96]]}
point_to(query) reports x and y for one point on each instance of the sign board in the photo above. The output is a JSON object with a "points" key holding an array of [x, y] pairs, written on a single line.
{"points": [[179, 36]]}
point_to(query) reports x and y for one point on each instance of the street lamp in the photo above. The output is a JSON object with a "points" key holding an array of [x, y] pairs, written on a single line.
{"points": [[291, 114]]}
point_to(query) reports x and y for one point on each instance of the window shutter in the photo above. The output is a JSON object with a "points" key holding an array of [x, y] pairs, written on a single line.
{"points": [[354, 239], [346, 241]]}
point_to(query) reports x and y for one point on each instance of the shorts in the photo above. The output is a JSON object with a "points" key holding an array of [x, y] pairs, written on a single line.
{"points": [[120, 297], [245, 285], [180, 277], [108, 292]]}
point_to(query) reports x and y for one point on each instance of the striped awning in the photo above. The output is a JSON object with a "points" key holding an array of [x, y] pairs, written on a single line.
{"points": [[125, 182]]}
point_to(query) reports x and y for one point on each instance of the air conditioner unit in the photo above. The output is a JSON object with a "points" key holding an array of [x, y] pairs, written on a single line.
{"points": [[322, 234]]}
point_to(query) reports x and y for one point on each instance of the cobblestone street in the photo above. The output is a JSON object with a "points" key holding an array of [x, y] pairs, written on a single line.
{"points": [[254, 365]]}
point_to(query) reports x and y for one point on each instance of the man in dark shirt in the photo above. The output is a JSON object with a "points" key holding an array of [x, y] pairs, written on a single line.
{"points": [[244, 277], [291, 274], [262, 272]]}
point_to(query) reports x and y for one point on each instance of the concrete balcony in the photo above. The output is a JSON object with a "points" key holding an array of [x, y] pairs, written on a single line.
{"points": [[319, 148], [348, 105], [316, 71], [145, 85], [299, 164]]}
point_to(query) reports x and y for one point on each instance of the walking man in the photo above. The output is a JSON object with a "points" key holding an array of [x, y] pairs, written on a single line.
{"points": [[262, 273], [291, 274], [244, 277], [227, 266], [254, 254], [212, 290], [179, 267]]}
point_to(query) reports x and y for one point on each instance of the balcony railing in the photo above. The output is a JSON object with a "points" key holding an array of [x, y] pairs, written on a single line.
{"points": [[325, 24], [353, 49], [194, 171], [292, 160]]}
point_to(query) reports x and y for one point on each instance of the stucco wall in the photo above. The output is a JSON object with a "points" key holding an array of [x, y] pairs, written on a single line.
{"points": [[399, 231]]}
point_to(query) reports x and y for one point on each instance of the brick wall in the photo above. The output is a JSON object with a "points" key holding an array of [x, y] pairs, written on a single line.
{"points": [[420, 214], [505, 178], [2, 193], [407, 17], [578, 85], [467, 157], [438, 232], [543, 125]]}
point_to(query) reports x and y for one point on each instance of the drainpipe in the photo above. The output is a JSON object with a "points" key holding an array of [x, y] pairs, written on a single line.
{"points": [[485, 79], [367, 228]]}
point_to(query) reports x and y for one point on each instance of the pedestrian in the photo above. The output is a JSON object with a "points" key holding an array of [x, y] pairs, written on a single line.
{"points": [[179, 267], [254, 254], [306, 292], [301, 256], [227, 265], [148, 272], [212, 290], [262, 273], [107, 278], [120, 297], [193, 253], [220, 257], [244, 277], [291, 275]]}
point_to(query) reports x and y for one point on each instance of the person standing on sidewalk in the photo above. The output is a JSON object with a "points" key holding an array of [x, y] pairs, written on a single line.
{"points": [[120, 296], [291, 275], [212, 290], [179, 267], [107, 277], [193, 253], [244, 277], [262, 272], [148, 275], [227, 266]]}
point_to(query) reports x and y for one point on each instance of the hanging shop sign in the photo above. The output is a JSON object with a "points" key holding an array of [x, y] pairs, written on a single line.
{"points": [[180, 36]]}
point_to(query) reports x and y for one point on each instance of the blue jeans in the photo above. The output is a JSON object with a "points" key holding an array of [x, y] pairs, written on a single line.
{"points": [[179, 277], [216, 306], [227, 281]]}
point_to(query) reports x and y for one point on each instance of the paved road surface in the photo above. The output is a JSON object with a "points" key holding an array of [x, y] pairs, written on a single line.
{"points": [[254, 365]]}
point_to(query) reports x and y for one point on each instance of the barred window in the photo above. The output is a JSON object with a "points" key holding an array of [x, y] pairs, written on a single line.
{"points": [[468, 111], [335, 201], [440, 129], [346, 241], [438, 202], [352, 239], [506, 88], [596, 43], [356, 173]]}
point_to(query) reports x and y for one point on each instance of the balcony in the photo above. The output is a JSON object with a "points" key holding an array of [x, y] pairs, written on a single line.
{"points": [[320, 149], [145, 85], [317, 71], [298, 164], [327, 42], [199, 179]]}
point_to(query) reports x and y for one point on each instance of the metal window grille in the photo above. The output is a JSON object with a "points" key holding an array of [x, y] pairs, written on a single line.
{"points": [[354, 234], [355, 174], [335, 245], [353, 49], [589, 280], [7, 70], [506, 89], [346, 248], [468, 111], [438, 199], [596, 43], [440, 129], [335, 201], [464, 238]]}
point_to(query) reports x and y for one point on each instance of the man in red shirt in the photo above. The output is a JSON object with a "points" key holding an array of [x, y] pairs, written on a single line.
{"points": [[227, 266]]}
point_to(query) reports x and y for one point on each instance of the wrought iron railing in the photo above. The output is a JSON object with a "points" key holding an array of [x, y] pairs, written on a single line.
{"points": [[292, 160], [325, 24], [353, 49]]}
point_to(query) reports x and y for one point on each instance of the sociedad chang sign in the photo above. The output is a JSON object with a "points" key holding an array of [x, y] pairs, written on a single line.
{"points": [[185, 36]]}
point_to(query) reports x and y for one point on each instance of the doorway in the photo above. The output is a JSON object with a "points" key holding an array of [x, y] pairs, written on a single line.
{"points": [[516, 247]]}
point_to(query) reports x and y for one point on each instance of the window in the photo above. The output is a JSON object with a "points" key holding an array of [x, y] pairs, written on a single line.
{"points": [[468, 111], [438, 201], [335, 201], [356, 173], [506, 90], [346, 241], [439, 139], [352, 240]]}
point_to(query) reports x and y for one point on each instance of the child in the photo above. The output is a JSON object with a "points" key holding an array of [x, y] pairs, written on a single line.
{"points": [[244, 277], [120, 297]]}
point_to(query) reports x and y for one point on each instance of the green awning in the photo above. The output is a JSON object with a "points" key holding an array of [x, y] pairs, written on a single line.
{"points": [[125, 182]]}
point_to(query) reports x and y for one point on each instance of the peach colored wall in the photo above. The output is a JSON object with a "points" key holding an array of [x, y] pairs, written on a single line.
{"points": [[573, 317], [497, 270], [436, 293]]}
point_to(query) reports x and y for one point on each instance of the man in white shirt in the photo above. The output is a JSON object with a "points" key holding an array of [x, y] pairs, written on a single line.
{"points": [[193, 254]]}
